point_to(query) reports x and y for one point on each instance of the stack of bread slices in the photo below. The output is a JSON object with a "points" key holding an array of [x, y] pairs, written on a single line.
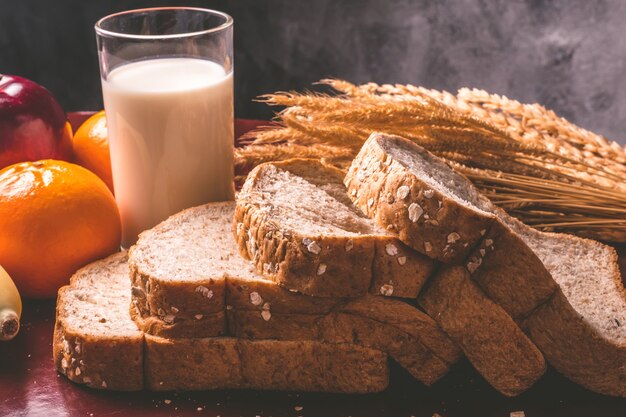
{"points": [[312, 281]]}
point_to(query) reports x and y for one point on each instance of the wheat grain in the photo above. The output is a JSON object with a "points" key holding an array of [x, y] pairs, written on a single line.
{"points": [[538, 166]]}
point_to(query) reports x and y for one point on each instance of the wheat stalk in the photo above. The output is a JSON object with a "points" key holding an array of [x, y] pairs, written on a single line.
{"points": [[536, 165]]}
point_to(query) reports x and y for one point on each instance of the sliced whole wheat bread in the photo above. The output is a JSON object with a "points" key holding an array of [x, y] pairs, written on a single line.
{"points": [[95, 341], [270, 188], [437, 211], [488, 336], [98, 345], [582, 329], [178, 270], [565, 291], [300, 229], [260, 309], [406, 333]]}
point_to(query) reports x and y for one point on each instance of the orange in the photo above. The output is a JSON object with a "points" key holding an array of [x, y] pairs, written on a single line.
{"points": [[91, 147], [55, 217]]}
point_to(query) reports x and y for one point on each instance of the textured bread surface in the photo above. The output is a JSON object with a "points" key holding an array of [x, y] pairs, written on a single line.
{"points": [[415, 195], [490, 339], [260, 309], [581, 329], [300, 229], [410, 337], [178, 269], [566, 291], [97, 344], [226, 363], [440, 213]]}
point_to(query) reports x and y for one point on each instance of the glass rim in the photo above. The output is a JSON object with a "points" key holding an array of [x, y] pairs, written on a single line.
{"points": [[228, 21]]}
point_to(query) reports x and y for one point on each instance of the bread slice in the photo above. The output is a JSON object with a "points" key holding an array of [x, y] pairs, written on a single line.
{"points": [[95, 341], [260, 309], [565, 291], [300, 229], [489, 337], [582, 328], [437, 211], [178, 270], [407, 334], [98, 345]]}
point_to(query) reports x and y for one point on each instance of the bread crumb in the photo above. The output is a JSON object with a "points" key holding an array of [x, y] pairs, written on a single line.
{"points": [[429, 193], [298, 408], [428, 247], [321, 269], [402, 260], [198, 316], [167, 401], [517, 414]]}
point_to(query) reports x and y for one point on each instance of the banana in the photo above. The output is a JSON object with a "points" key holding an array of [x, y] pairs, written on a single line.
{"points": [[10, 307]]}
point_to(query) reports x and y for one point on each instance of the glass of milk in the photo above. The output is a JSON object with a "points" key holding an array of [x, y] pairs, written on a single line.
{"points": [[167, 83]]}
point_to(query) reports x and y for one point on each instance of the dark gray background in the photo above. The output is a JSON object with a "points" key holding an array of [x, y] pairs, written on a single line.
{"points": [[567, 54]]}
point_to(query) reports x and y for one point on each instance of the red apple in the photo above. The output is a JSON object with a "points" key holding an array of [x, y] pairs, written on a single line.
{"points": [[33, 125]]}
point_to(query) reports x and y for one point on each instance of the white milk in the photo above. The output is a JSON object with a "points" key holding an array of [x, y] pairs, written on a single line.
{"points": [[170, 125]]}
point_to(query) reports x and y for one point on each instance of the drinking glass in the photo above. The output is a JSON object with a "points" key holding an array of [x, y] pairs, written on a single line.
{"points": [[167, 84]]}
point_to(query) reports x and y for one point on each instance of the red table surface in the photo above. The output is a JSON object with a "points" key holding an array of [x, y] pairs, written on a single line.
{"points": [[30, 386]]}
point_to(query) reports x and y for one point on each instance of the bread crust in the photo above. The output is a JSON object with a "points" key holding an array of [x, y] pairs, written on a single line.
{"points": [[227, 363], [510, 273], [422, 217], [323, 266], [261, 310], [490, 339], [134, 360], [575, 349]]}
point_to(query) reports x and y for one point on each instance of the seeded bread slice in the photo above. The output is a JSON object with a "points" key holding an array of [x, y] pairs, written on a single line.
{"points": [[490, 339], [98, 345], [582, 329], [260, 309], [565, 291], [391, 325], [300, 229], [178, 270], [95, 341], [437, 211]]}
